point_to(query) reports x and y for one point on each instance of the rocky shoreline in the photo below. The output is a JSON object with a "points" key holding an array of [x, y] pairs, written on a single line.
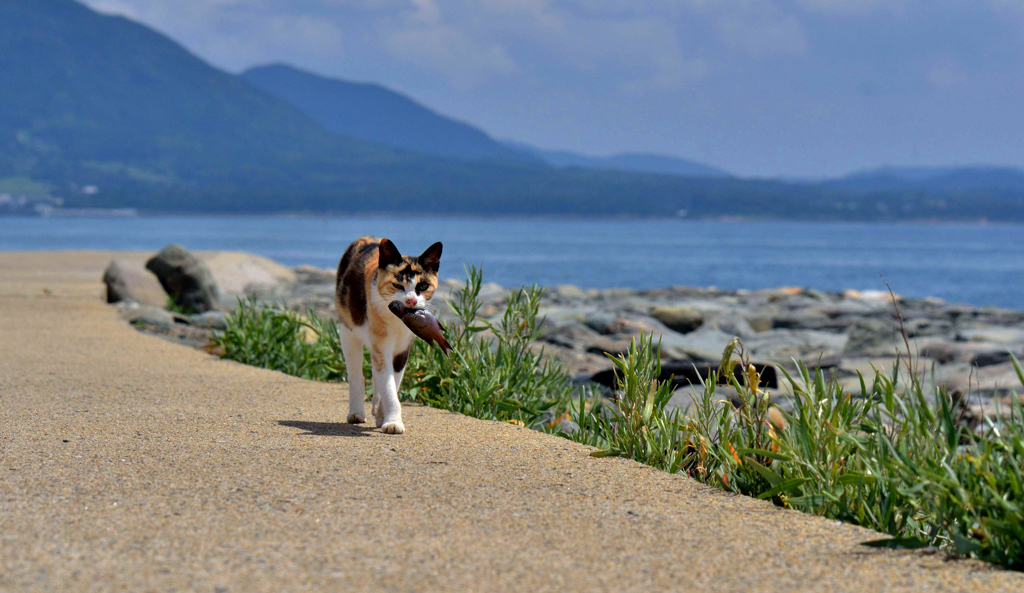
{"points": [[965, 348]]}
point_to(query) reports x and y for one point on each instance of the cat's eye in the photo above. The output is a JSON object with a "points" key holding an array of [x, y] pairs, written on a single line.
{"points": [[422, 287], [397, 286]]}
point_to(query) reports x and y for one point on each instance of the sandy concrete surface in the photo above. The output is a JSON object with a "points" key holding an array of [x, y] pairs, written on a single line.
{"points": [[128, 463]]}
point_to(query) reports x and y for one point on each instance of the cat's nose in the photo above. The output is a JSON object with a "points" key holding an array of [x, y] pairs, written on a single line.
{"points": [[410, 301]]}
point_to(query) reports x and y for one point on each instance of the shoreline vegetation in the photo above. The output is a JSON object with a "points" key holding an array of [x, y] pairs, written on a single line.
{"points": [[900, 454]]}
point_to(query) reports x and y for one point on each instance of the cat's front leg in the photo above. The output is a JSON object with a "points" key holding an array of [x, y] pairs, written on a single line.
{"points": [[375, 409], [388, 411], [352, 348]]}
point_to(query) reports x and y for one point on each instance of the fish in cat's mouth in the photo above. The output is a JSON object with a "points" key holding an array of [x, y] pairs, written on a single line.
{"points": [[422, 323]]}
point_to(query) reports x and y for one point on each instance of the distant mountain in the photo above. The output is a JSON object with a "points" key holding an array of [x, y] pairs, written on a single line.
{"points": [[102, 96], [638, 162], [103, 112], [377, 114], [935, 179], [627, 161]]}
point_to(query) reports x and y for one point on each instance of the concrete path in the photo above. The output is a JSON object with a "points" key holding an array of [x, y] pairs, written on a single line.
{"points": [[129, 463]]}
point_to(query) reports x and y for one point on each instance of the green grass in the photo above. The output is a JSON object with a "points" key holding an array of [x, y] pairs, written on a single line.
{"points": [[281, 340], [890, 457], [171, 304]]}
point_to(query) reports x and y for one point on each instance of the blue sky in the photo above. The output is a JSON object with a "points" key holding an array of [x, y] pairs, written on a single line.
{"points": [[758, 87]]}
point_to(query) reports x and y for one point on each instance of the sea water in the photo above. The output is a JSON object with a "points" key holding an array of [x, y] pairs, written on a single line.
{"points": [[975, 264]]}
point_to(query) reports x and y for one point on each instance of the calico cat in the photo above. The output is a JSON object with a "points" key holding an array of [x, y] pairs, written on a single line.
{"points": [[371, 275]]}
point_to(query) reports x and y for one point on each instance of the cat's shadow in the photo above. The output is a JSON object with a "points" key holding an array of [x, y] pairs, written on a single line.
{"points": [[329, 429]]}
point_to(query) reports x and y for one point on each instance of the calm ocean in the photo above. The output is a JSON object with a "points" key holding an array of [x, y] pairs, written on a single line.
{"points": [[980, 265]]}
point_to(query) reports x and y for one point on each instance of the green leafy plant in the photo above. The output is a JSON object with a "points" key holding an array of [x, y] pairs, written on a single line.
{"points": [[281, 340], [634, 422], [892, 458], [492, 371]]}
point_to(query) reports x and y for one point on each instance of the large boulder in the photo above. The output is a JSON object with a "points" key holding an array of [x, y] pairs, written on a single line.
{"points": [[186, 278], [682, 319], [237, 273], [149, 316], [127, 281]]}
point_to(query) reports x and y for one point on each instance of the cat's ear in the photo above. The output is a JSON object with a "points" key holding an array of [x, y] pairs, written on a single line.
{"points": [[431, 258], [388, 254]]}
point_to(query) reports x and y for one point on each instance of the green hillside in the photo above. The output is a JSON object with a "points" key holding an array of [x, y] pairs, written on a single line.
{"points": [[100, 96], [92, 100], [374, 113]]}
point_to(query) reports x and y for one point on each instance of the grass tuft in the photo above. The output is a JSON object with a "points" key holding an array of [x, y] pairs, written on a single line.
{"points": [[281, 340]]}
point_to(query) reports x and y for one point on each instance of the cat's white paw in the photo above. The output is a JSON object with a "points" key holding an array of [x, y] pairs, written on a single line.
{"points": [[356, 418], [379, 418], [393, 428]]}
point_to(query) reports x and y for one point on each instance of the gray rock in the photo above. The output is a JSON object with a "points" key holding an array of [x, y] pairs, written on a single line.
{"points": [[810, 318], [998, 335], [130, 282], [631, 324], [704, 344], [570, 335], [872, 336], [233, 271], [604, 346], [211, 320], [733, 324], [313, 275], [600, 321], [926, 327], [186, 278], [991, 358], [976, 353], [150, 316], [780, 345], [492, 293], [941, 352], [859, 307], [682, 319], [759, 323], [268, 293], [568, 426]]}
